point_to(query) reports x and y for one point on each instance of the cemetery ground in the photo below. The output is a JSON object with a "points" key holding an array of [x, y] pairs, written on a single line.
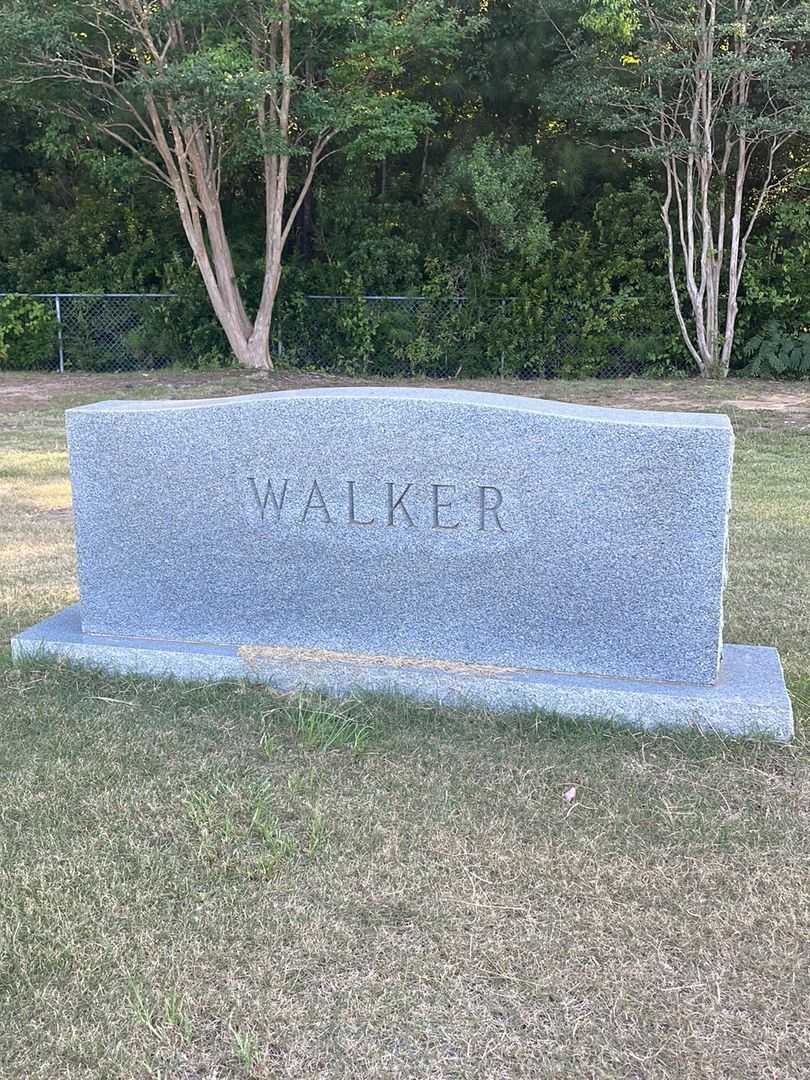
{"points": [[203, 882]]}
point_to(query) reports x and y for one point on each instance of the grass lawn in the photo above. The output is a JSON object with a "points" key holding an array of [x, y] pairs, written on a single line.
{"points": [[205, 882]]}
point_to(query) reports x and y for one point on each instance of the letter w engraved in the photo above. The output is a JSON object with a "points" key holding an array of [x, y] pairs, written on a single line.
{"points": [[269, 496]]}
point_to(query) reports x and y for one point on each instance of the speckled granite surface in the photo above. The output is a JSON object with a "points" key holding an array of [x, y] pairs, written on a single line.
{"points": [[749, 697], [479, 528]]}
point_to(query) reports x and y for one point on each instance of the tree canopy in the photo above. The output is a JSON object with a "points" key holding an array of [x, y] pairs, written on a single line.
{"points": [[627, 167]]}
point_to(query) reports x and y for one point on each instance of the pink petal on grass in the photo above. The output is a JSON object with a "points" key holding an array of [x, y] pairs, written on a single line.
{"points": [[570, 795]]}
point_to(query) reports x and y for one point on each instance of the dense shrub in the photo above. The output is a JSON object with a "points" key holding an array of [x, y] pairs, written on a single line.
{"points": [[28, 333], [777, 353], [595, 305], [773, 327], [592, 300], [606, 295]]}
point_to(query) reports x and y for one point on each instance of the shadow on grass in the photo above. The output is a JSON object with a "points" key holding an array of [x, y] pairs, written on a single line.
{"points": [[363, 720]]}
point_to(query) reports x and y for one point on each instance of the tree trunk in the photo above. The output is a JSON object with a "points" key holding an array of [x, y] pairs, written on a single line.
{"points": [[249, 342], [256, 353]]}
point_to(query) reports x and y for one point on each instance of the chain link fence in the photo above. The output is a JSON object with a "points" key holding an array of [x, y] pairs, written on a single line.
{"points": [[453, 337], [87, 331], [394, 336]]}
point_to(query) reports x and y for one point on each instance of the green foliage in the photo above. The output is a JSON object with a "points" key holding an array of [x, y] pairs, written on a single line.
{"points": [[203, 92], [602, 306], [27, 333], [76, 222], [620, 80], [324, 725], [502, 191], [108, 335], [707, 93], [188, 325], [357, 325], [776, 353], [218, 66], [458, 176], [776, 281], [598, 305], [618, 19]]}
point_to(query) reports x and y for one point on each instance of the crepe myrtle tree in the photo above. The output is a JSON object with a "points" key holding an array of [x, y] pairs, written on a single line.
{"points": [[716, 95], [195, 89]]}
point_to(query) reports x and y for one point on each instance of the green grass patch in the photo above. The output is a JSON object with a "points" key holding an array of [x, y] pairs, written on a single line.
{"points": [[219, 881]]}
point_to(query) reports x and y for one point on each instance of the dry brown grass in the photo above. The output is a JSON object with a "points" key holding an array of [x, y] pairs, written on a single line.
{"points": [[209, 882]]}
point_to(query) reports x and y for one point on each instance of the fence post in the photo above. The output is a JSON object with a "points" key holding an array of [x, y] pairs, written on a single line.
{"points": [[503, 306], [58, 305]]}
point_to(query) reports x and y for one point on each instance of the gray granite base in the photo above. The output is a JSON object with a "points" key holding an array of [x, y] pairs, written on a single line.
{"points": [[749, 698]]}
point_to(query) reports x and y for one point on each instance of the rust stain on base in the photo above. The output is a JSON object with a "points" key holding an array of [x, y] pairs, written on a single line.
{"points": [[254, 654]]}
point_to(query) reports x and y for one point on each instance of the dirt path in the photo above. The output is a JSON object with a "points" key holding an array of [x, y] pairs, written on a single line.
{"points": [[775, 404]]}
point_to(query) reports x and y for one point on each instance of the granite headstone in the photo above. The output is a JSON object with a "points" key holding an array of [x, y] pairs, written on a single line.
{"points": [[453, 544]]}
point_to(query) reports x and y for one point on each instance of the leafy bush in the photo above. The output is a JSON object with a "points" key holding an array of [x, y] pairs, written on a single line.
{"points": [[188, 327], [777, 271], [605, 301], [28, 333], [775, 309], [777, 353]]}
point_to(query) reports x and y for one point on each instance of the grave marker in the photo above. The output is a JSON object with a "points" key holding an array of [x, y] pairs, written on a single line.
{"points": [[503, 550]]}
